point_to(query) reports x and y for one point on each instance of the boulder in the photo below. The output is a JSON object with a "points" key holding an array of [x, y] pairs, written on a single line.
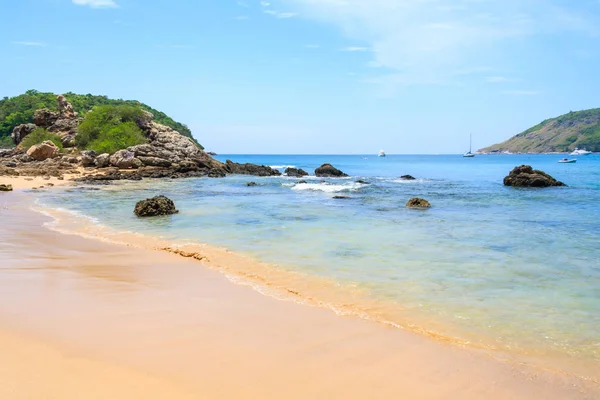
{"points": [[408, 177], [144, 121], [154, 161], [5, 188], [301, 181], [329, 171], [45, 118], [159, 205], [341, 197], [250, 169], [103, 160], [526, 176], [65, 108], [417, 202], [362, 182], [43, 151], [295, 172], [20, 131], [68, 140], [88, 158], [249, 184], [124, 159], [64, 126]]}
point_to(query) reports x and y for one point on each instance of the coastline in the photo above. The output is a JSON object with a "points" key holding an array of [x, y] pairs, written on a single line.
{"points": [[160, 313]]}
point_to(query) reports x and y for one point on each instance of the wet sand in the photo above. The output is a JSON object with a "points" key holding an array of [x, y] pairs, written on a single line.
{"points": [[81, 318]]}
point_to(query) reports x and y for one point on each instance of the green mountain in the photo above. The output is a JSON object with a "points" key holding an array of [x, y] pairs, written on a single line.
{"points": [[20, 109], [561, 134]]}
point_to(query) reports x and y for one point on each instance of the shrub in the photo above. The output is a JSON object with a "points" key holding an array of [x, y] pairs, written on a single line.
{"points": [[109, 128], [38, 136], [6, 142], [118, 137]]}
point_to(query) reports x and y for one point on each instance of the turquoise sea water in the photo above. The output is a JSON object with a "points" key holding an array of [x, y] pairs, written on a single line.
{"points": [[517, 269]]}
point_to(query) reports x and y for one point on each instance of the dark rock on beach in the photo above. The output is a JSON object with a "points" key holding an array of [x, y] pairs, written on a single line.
{"points": [[417, 202], [329, 171], [159, 205], [295, 172], [526, 176], [5, 188], [408, 177]]}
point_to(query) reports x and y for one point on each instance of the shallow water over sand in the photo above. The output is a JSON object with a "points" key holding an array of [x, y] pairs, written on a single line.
{"points": [[491, 266]]}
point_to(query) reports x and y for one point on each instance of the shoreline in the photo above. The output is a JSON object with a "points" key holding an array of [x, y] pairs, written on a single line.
{"points": [[286, 320]]}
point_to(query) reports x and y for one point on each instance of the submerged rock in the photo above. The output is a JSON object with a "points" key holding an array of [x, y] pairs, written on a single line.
{"points": [[362, 182], [341, 197], [329, 171], [295, 172], [5, 188], [417, 202], [251, 184], [526, 176], [43, 151], [301, 181], [158, 205], [408, 177]]}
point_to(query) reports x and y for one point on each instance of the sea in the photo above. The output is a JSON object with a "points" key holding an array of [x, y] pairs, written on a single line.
{"points": [[511, 271]]}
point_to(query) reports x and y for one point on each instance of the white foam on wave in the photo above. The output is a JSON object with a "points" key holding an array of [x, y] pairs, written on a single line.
{"points": [[410, 181], [327, 187], [282, 166]]}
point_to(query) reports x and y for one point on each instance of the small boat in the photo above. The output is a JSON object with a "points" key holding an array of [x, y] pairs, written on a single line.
{"points": [[469, 153], [567, 160], [580, 152], [381, 153]]}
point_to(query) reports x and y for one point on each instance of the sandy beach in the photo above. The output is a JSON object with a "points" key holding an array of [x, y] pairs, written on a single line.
{"points": [[81, 318]]}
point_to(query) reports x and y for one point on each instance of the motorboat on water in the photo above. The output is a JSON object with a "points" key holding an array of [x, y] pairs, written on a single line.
{"points": [[567, 160], [580, 152], [381, 153]]}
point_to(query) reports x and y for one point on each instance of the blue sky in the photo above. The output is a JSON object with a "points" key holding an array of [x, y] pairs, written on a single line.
{"points": [[317, 76]]}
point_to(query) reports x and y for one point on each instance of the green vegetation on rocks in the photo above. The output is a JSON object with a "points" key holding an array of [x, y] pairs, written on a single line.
{"points": [[109, 128], [38, 136], [20, 109], [580, 129]]}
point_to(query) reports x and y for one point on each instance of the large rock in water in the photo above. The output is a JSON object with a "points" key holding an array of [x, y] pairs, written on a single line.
{"points": [[43, 151], [526, 176], [329, 171], [159, 205], [417, 202], [295, 172], [20, 131], [250, 169]]}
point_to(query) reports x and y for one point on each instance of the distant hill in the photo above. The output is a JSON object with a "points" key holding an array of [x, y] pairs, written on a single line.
{"points": [[19, 110], [561, 134]]}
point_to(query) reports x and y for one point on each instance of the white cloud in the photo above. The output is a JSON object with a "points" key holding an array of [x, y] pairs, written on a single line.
{"points": [[428, 40], [522, 92], [265, 3], [33, 44], [96, 3], [279, 14], [354, 48], [499, 79]]}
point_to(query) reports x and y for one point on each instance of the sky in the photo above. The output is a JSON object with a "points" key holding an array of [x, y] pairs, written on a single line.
{"points": [[317, 76]]}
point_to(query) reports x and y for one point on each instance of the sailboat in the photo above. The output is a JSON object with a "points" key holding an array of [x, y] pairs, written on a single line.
{"points": [[468, 153]]}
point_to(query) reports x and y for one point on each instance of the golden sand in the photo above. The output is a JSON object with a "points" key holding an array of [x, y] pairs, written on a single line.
{"points": [[80, 318]]}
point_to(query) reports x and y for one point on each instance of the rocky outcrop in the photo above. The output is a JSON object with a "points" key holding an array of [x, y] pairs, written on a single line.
{"points": [[5, 188], [45, 118], [88, 158], [65, 108], [20, 131], [329, 171], [43, 151], [407, 177], [417, 202], [295, 172], [159, 205], [526, 176], [124, 159], [250, 169], [64, 123]]}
